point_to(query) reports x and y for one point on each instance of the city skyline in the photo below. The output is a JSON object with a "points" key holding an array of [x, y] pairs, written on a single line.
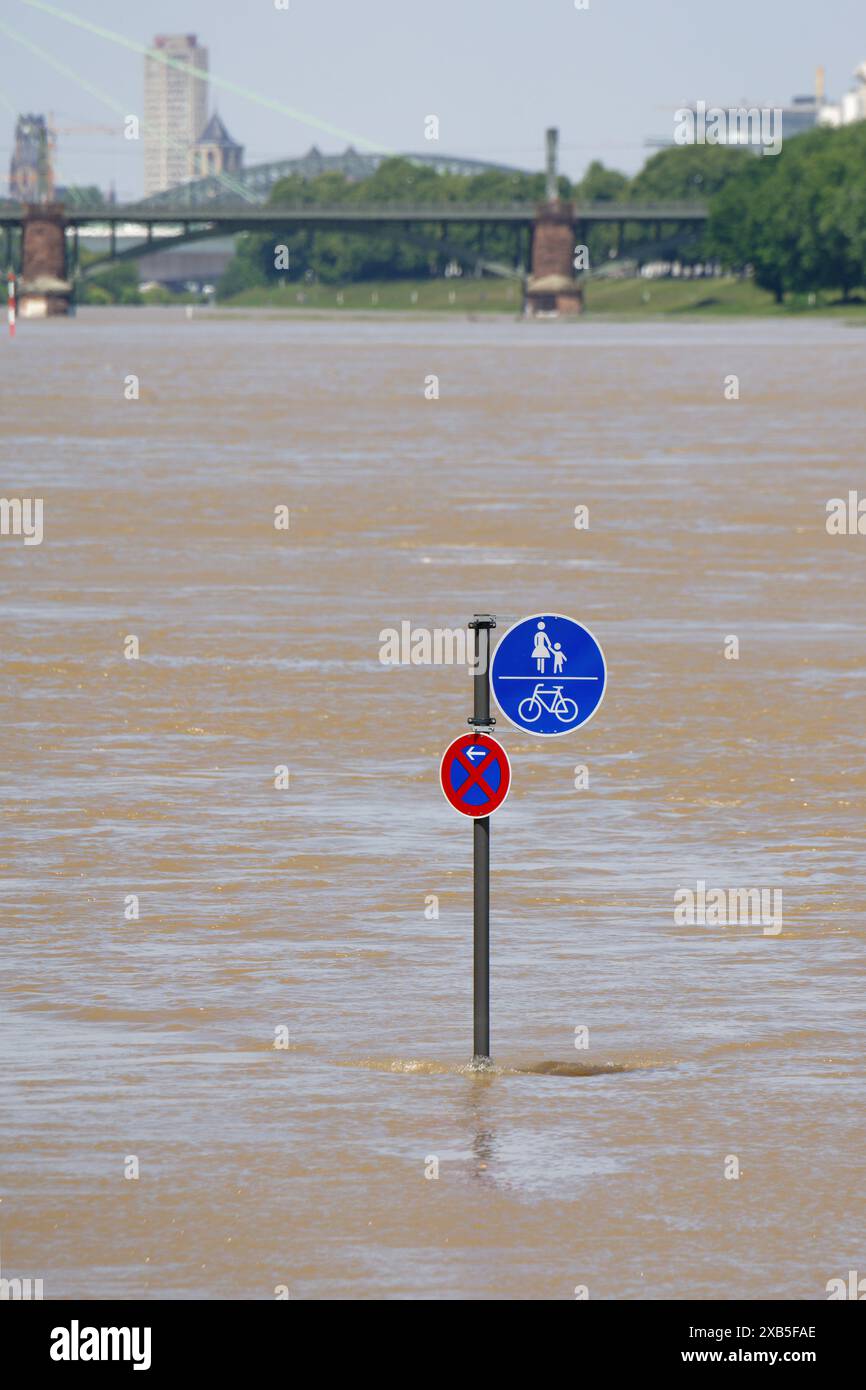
{"points": [[277, 101]]}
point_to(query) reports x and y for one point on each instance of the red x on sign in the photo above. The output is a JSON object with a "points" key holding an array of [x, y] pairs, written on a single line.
{"points": [[475, 774]]}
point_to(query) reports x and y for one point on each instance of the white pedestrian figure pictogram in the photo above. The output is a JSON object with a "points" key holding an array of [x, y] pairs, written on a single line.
{"points": [[542, 649], [558, 658]]}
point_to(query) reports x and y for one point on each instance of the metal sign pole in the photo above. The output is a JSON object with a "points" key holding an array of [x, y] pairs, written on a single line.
{"points": [[482, 722], [481, 920]]}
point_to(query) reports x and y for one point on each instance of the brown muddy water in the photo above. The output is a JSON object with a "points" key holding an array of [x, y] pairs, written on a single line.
{"points": [[304, 1167]]}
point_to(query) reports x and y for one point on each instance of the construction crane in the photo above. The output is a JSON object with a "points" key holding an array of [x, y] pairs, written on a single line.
{"points": [[49, 147], [82, 129]]}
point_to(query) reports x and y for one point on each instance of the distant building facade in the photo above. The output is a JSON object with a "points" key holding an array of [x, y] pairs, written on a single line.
{"points": [[175, 108], [852, 107], [215, 152], [802, 114]]}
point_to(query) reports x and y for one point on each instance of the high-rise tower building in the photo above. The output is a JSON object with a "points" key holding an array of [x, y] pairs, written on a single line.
{"points": [[175, 108]]}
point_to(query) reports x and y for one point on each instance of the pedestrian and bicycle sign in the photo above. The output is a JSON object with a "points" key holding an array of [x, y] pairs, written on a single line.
{"points": [[548, 675], [475, 774]]}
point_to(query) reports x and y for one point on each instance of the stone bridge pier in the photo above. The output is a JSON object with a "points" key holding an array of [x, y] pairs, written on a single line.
{"points": [[43, 287], [551, 287]]}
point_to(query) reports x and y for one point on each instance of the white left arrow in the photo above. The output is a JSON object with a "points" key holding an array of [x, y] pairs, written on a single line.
{"points": [[474, 752]]}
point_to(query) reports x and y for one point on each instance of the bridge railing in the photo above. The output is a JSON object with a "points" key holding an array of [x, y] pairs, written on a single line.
{"points": [[245, 215]]}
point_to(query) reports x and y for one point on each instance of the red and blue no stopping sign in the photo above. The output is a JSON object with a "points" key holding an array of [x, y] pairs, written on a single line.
{"points": [[475, 774]]}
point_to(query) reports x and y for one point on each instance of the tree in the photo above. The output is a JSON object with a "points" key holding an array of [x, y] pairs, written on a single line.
{"points": [[798, 218], [117, 284], [688, 173], [745, 229], [841, 209], [684, 174], [601, 185]]}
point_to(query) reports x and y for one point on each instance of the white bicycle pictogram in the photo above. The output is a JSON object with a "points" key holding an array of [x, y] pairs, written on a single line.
{"points": [[564, 709]]}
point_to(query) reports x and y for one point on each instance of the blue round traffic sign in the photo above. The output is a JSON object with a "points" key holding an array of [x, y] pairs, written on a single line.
{"points": [[548, 675]]}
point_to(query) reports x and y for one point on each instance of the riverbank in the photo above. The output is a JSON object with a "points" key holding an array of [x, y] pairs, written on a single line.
{"points": [[635, 298]]}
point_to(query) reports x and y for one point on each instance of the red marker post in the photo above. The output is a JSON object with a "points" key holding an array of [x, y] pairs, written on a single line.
{"points": [[11, 302]]}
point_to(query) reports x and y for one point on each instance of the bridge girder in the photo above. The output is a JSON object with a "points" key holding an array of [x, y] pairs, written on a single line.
{"points": [[413, 220], [337, 215]]}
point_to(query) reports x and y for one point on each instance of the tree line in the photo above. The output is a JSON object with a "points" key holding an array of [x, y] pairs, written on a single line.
{"points": [[798, 219], [692, 173]]}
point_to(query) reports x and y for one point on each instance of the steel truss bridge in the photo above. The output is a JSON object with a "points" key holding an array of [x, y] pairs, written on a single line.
{"points": [[158, 228]]}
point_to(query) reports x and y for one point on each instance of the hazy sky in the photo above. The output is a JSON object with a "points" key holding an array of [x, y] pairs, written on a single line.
{"points": [[494, 73]]}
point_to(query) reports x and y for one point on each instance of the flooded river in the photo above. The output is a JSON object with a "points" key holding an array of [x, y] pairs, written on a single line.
{"points": [[153, 1044]]}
